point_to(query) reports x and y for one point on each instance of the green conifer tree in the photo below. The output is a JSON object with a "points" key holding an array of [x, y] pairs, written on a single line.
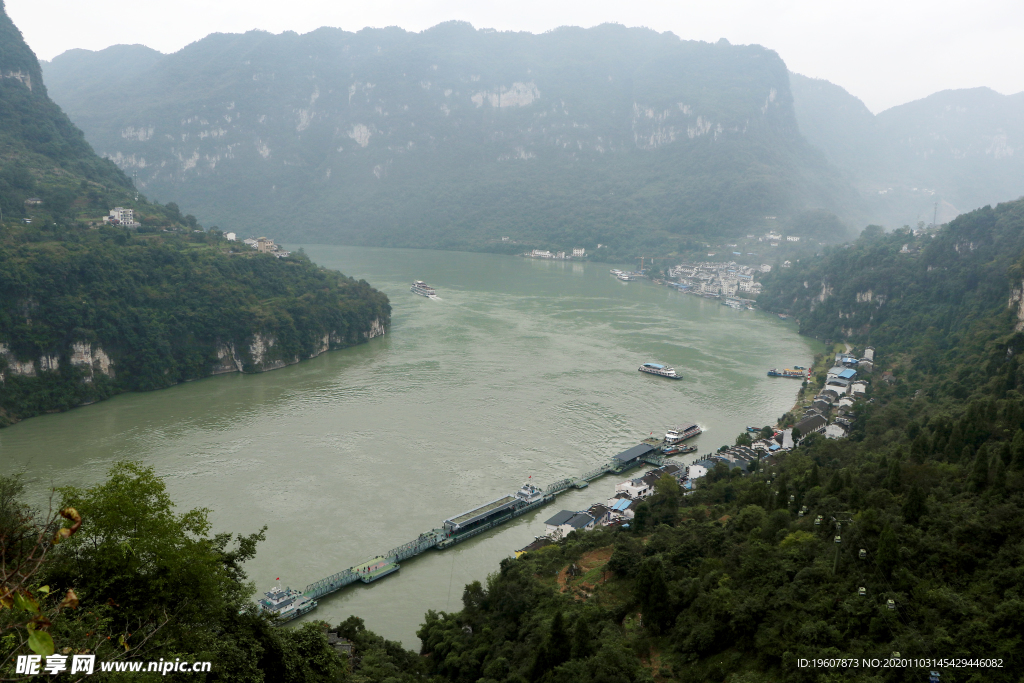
{"points": [[582, 639], [814, 479], [887, 555], [914, 506], [979, 473], [1017, 448]]}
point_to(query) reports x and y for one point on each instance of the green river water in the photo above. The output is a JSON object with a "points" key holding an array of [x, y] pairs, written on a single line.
{"points": [[521, 368]]}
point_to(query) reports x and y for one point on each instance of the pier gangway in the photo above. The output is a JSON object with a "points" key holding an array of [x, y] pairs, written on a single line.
{"points": [[441, 538]]}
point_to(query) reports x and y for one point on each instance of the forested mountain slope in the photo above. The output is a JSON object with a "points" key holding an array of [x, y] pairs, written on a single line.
{"points": [[35, 133], [897, 288], [456, 137], [89, 309], [961, 149]]}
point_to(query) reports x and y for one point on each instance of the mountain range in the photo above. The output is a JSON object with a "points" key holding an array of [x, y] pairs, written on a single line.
{"points": [[456, 137]]}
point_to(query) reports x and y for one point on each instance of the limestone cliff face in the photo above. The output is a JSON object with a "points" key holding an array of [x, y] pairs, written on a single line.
{"points": [[1017, 302], [261, 355], [90, 357], [257, 354]]}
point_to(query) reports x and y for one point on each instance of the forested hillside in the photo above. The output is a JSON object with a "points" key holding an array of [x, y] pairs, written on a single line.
{"points": [[89, 309], [956, 148], [897, 288], [456, 137], [85, 316]]}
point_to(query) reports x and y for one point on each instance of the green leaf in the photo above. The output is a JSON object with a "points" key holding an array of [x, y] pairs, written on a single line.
{"points": [[45, 590], [25, 603], [40, 642]]}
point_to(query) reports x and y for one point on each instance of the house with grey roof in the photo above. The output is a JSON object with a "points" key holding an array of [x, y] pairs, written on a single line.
{"points": [[567, 521], [811, 425]]}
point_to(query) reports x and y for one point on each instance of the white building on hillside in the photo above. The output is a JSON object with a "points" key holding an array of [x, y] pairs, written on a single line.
{"points": [[121, 216]]}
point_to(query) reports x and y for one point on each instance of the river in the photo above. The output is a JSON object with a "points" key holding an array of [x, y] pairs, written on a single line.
{"points": [[522, 368]]}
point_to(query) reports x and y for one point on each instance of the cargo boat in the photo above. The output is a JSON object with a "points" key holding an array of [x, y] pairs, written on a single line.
{"points": [[677, 449], [492, 514], [792, 374], [679, 434], [660, 370]]}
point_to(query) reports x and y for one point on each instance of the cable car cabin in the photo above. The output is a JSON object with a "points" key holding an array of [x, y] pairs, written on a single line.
{"points": [[839, 539], [890, 603], [862, 591], [863, 554], [800, 514]]}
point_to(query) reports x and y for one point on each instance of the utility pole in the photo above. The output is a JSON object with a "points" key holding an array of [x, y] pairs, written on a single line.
{"points": [[935, 216]]}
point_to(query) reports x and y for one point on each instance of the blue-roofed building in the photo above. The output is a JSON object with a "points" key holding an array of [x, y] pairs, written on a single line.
{"points": [[848, 374]]}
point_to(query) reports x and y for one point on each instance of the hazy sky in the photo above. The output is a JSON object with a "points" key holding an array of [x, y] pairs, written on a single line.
{"points": [[884, 51]]}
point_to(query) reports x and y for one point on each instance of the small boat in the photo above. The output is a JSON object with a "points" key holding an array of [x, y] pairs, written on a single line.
{"points": [[660, 370], [677, 448], [755, 430]]}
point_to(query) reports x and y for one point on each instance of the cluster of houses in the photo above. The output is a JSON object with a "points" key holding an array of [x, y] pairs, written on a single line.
{"points": [[577, 253], [844, 385], [714, 279], [260, 244], [619, 509]]}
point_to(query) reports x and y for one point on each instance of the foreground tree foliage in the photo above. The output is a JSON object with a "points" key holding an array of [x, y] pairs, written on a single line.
{"points": [[152, 583]]}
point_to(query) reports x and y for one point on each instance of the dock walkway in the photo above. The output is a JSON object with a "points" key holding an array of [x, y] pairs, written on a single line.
{"points": [[442, 538]]}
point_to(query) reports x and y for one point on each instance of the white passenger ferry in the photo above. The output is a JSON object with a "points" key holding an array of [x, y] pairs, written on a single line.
{"points": [[660, 370], [680, 434], [423, 289]]}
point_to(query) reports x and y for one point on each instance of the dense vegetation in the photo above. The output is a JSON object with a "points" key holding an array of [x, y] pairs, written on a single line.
{"points": [[88, 310], [623, 137], [148, 583]]}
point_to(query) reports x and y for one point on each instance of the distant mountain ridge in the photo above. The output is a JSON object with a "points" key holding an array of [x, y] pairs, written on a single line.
{"points": [[455, 137], [961, 148]]}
